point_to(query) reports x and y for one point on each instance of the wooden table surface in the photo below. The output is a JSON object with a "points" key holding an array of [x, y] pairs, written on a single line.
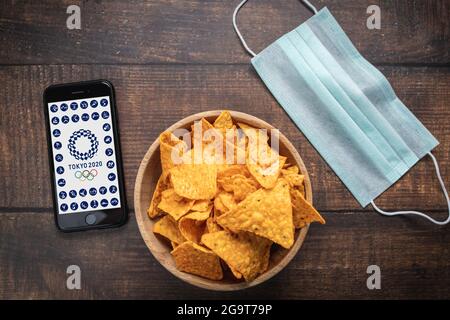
{"points": [[169, 59]]}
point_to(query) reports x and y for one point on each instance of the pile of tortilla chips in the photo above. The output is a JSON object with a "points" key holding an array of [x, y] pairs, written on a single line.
{"points": [[223, 216]]}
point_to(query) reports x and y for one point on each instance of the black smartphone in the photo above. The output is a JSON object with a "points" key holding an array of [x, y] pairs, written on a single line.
{"points": [[84, 154]]}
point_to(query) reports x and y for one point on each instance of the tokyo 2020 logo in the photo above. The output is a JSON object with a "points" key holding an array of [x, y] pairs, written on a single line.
{"points": [[93, 142]]}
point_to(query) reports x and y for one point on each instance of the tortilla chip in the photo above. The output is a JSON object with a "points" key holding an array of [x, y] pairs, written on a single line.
{"points": [[303, 212], [201, 205], [253, 133], [224, 202], [198, 133], [227, 268], [233, 170], [170, 146], [227, 200], [193, 181], [245, 253], [209, 152], [212, 226], [242, 188], [192, 258], [235, 273], [224, 125], [231, 134], [267, 176], [153, 209], [222, 166], [204, 125], [215, 151], [219, 208], [234, 152], [174, 204], [193, 225], [237, 170], [295, 180], [288, 169], [267, 213], [224, 121], [239, 185], [302, 191], [168, 228]]}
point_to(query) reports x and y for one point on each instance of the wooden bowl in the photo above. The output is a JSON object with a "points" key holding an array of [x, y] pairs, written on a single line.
{"points": [[147, 177]]}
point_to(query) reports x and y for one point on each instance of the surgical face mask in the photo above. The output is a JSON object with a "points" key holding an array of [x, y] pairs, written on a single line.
{"points": [[344, 106]]}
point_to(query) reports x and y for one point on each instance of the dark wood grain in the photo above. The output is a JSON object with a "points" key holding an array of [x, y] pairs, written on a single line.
{"points": [[151, 98], [332, 263], [197, 31]]}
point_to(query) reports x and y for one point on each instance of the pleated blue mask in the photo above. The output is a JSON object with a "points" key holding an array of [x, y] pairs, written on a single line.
{"points": [[344, 106]]}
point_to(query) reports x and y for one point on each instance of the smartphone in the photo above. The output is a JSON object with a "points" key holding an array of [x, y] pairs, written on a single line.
{"points": [[84, 154]]}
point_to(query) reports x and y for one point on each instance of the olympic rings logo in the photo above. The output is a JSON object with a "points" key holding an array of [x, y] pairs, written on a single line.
{"points": [[86, 175]]}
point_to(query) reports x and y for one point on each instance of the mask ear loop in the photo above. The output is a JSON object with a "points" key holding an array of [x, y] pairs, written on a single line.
{"points": [[444, 190], [236, 29]]}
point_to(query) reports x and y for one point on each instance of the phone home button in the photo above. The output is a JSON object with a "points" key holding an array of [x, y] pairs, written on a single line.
{"points": [[91, 219]]}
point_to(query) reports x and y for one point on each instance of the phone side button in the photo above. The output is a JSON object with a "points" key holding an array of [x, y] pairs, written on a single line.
{"points": [[91, 219]]}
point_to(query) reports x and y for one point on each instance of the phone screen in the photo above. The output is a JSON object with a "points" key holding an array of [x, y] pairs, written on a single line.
{"points": [[84, 156]]}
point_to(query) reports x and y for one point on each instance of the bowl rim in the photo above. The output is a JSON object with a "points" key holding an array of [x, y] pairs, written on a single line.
{"points": [[141, 213]]}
